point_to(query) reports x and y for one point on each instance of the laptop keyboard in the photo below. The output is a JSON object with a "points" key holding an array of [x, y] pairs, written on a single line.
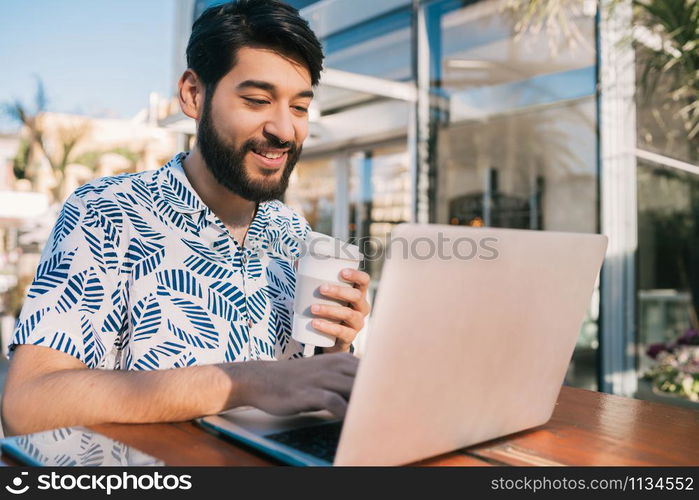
{"points": [[318, 440]]}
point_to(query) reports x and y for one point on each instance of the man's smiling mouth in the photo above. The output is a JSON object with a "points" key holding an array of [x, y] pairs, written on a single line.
{"points": [[272, 155]]}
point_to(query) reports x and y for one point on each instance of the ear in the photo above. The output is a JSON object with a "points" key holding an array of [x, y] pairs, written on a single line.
{"points": [[191, 94]]}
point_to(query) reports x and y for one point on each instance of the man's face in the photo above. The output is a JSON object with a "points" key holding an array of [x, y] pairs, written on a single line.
{"points": [[252, 128]]}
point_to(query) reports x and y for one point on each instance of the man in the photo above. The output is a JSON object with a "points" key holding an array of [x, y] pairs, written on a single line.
{"points": [[167, 295]]}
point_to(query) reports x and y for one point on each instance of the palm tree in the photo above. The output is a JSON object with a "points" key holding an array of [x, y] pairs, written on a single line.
{"points": [[25, 163], [552, 16], [676, 58], [59, 156], [674, 24]]}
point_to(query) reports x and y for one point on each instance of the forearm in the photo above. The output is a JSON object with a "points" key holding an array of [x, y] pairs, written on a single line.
{"points": [[87, 397]]}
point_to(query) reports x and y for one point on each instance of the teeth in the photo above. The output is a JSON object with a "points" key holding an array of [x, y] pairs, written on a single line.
{"points": [[271, 156]]}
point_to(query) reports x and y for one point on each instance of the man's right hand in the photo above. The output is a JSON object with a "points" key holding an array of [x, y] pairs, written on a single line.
{"points": [[47, 388], [287, 387]]}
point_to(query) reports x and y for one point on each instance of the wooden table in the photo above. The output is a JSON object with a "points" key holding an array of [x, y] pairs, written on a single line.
{"points": [[587, 428]]}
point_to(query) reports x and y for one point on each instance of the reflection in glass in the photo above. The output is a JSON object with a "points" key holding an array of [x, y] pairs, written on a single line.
{"points": [[514, 133], [668, 256], [379, 48], [527, 170], [668, 204], [380, 199], [311, 192]]}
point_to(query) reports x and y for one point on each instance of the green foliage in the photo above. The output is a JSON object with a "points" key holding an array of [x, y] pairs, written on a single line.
{"points": [[127, 153], [677, 59], [673, 379], [552, 16], [15, 297], [91, 158], [20, 163]]}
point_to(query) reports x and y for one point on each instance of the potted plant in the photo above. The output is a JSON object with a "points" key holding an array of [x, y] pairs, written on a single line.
{"points": [[677, 368]]}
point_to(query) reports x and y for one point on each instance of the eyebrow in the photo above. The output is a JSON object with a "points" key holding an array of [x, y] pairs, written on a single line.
{"points": [[268, 87]]}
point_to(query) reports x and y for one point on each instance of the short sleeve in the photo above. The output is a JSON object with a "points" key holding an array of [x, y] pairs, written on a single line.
{"points": [[75, 304]]}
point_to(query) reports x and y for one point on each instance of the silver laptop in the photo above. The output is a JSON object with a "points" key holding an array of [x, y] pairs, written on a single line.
{"points": [[471, 335]]}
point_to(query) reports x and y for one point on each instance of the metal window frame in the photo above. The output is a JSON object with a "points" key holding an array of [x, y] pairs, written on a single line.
{"points": [[618, 204], [328, 17], [667, 162]]}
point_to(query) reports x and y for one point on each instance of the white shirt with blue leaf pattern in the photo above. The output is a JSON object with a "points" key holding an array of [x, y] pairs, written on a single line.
{"points": [[139, 274]]}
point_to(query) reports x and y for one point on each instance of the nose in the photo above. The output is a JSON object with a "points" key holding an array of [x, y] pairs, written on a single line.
{"points": [[281, 125]]}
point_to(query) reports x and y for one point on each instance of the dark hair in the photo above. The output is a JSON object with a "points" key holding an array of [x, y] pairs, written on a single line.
{"points": [[222, 30]]}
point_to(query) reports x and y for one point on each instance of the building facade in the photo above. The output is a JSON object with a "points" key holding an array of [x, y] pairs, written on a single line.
{"points": [[468, 112]]}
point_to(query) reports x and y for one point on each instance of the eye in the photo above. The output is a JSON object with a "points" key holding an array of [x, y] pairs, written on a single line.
{"points": [[301, 109], [257, 102]]}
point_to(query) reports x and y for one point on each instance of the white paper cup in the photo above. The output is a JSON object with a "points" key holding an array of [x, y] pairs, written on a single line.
{"points": [[323, 259]]}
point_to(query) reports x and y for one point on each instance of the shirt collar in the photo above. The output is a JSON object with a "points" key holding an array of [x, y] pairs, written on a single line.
{"points": [[182, 197], [177, 190]]}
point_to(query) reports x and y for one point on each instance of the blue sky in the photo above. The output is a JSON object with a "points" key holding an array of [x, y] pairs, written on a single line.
{"points": [[95, 57]]}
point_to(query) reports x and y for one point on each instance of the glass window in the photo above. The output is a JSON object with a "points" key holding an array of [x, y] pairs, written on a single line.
{"points": [[201, 5], [379, 199], [514, 132], [668, 201], [379, 48], [311, 192], [533, 169], [667, 84], [668, 259]]}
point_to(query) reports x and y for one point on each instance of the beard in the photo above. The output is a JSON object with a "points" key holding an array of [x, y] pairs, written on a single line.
{"points": [[227, 163]]}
